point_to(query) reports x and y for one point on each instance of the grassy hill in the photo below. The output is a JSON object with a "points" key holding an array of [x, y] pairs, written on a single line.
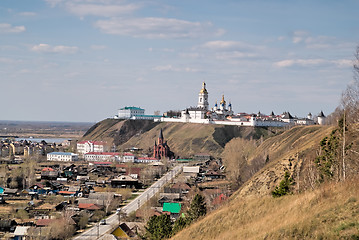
{"points": [[330, 212], [313, 211], [291, 151], [184, 139]]}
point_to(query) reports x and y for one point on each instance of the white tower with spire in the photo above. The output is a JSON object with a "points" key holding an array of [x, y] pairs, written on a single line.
{"points": [[203, 97]]}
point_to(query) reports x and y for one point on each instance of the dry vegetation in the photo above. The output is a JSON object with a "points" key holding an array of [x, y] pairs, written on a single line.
{"points": [[265, 162], [329, 212]]}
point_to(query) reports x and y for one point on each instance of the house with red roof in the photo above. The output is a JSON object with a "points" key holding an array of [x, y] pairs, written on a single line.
{"points": [[89, 206]]}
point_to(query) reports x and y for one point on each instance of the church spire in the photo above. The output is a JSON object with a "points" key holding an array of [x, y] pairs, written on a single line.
{"points": [[161, 135], [203, 90]]}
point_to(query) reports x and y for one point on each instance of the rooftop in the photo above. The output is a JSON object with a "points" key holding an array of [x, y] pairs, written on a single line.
{"points": [[171, 207], [131, 108], [103, 153], [62, 153]]}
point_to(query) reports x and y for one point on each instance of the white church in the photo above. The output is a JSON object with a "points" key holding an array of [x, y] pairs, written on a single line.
{"points": [[224, 115]]}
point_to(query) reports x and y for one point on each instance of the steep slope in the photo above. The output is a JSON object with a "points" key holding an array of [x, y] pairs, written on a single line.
{"points": [[185, 139], [291, 151], [327, 211], [330, 212], [116, 131]]}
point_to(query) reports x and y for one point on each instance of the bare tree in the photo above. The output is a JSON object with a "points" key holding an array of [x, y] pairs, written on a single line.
{"points": [[236, 158], [350, 97]]}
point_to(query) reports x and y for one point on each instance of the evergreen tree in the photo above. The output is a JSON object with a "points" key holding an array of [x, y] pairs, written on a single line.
{"points": [[180, 224], [284, 186], [159, 227], [197, 208]]}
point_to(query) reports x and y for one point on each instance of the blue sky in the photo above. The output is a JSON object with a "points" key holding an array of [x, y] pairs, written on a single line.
{"points": [[81, 60]]}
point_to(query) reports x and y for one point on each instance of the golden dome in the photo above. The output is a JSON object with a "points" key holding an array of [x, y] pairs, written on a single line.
{"points": [[223, 101], [203, 90]]}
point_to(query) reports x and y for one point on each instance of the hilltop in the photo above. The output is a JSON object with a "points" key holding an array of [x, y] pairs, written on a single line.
{"points": [[185, 139]]}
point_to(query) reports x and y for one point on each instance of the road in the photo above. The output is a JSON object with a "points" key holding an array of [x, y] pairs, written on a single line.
{"points": [[112, 221]]}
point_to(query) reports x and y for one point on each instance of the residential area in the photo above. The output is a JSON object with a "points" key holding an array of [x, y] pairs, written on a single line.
{"points": [[43, 186]]}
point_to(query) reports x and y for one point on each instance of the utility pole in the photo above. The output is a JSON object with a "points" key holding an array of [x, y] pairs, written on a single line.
{"points": [[98, 230]]}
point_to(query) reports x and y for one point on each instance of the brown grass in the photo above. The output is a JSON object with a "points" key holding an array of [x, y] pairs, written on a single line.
{"points": [[330, 212]]}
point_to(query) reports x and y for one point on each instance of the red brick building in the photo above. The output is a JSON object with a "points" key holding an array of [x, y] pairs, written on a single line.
{"points": [[161, 149]]}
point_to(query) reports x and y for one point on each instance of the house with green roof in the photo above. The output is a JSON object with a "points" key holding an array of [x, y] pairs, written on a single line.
{"points": [[173, 208]]}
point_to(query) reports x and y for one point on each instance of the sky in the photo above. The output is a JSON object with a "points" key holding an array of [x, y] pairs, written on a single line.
{"points": [[82, 60]]}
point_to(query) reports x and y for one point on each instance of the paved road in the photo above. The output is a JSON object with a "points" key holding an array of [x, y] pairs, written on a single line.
{"points": [[112, 221]]}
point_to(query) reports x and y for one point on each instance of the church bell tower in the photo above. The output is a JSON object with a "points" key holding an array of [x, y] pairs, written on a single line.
{"points": [[203, 97]]}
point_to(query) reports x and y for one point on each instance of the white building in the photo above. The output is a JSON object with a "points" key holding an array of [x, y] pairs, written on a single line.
{"points": [[321, 118], [62, 156], [128, 157], [199, 112], [129, 112], [102, 156], [90, 146], [146, 160], [135, 113]]}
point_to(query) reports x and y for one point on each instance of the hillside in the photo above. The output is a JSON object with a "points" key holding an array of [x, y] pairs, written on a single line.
{"points": [[291, 151], [330, 212], [184, 139], [312, 211]]}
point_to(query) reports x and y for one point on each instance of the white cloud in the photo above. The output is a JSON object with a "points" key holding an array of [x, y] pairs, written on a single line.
{"points": [[231, 46], [108, 10], [46, 48], [229, 50], [313, 62], [8, 28], [9, 60], [98, 47], [192, 55], [103, 8], [155, 28], [299, 36], [343, 63], [170, 68], [314, 42], [27, 14]]}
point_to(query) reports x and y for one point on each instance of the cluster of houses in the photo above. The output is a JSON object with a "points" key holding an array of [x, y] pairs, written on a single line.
{"points": [[77, 184], [37, 217], [95, 151], [10, 148], [174, 199]]}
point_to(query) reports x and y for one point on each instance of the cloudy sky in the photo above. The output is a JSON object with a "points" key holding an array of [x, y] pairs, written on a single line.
{"points": [[81, 60]]}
